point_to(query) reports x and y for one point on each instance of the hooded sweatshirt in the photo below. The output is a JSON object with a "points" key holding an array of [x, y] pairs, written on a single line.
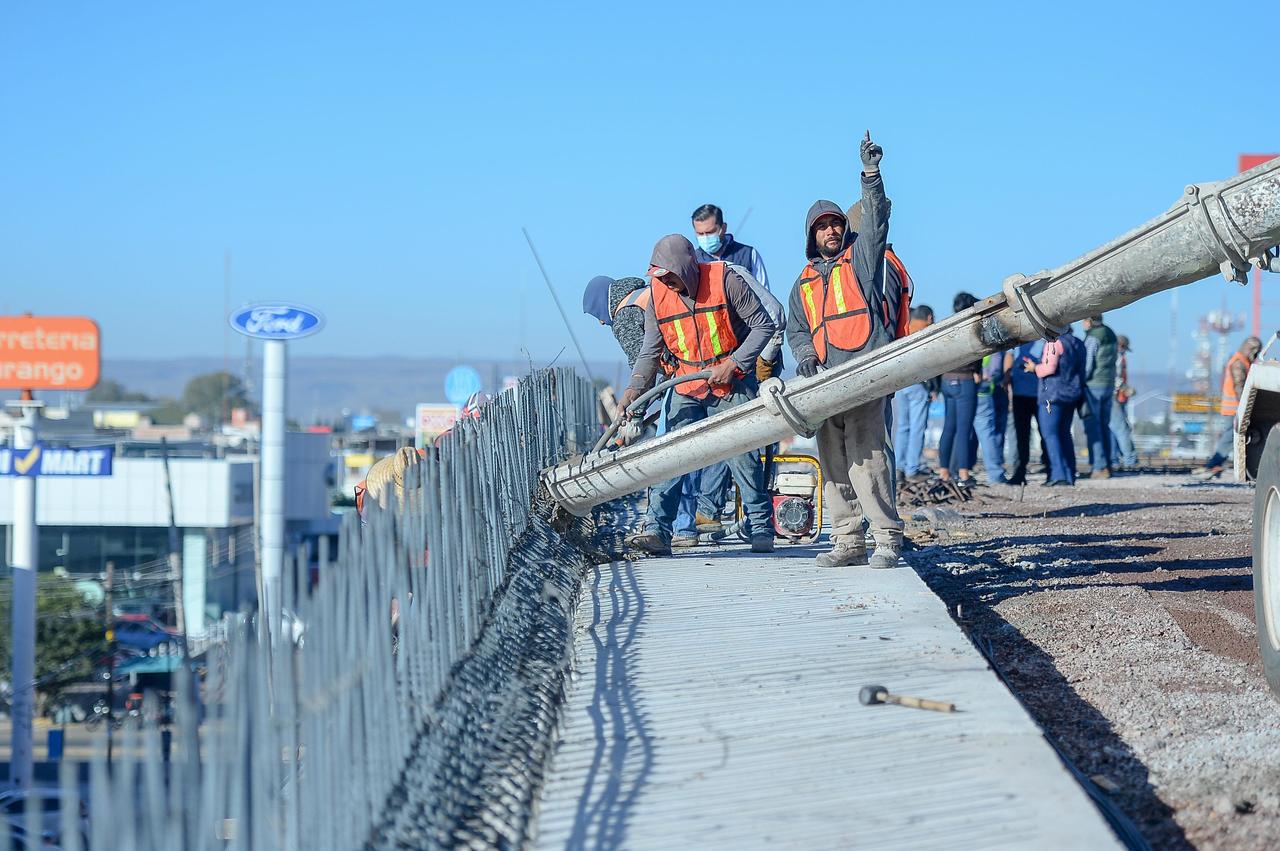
{"points": [[752, 327], [868, 265]]}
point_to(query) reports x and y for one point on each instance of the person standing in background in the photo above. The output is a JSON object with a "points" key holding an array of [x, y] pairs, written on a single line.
{"points": [[960, 397], [992, 416], [1061, 374], [714, 244], [912, 415], [1233, 378], [1123, 453], [1099, 389]]}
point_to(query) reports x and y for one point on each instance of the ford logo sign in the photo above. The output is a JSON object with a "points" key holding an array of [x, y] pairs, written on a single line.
{"points": [[276, 321]]}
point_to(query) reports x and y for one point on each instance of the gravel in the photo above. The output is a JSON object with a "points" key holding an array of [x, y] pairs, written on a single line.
{"points": [[1121, 613]]}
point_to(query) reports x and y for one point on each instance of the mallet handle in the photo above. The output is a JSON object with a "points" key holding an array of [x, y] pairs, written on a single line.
{"points": [[920, 703]]}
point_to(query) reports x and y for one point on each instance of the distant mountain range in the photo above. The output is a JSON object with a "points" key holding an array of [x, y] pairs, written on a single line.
{"points": [[322, 388]]}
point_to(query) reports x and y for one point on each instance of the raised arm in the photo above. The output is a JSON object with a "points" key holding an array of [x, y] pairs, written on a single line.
{"points": [[873, 230]]}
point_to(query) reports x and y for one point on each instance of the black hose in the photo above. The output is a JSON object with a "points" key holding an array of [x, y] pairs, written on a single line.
{"points": [[642, 401]]}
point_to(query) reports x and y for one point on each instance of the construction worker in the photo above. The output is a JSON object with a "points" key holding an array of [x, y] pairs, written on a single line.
{"points": [[704, 316], [1123, 453], [836, 312], [1233, 378], [1100, 352], [912, 416], [620, 304], [715, 244]]}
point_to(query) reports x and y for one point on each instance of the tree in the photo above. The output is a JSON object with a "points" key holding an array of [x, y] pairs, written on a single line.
{"points": [[109, 390], [212, 394], [70, 634]]}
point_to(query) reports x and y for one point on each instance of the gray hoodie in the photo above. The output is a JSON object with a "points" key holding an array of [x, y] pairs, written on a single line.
{"points": [[868, 265], [752, 327]]}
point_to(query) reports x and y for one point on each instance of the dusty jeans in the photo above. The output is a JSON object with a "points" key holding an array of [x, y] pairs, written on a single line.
{"points": [[857, 465]]}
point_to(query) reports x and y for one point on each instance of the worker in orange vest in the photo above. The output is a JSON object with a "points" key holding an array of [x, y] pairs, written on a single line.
{"points": [[838, 311], [1233, 378], [704, 316]]}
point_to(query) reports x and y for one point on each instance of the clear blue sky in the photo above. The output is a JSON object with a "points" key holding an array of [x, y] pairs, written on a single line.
{"points": [[377, 161]]}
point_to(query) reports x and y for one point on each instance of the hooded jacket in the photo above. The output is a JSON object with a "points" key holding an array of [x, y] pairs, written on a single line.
{"points": [[868, 265], [751, 325]]}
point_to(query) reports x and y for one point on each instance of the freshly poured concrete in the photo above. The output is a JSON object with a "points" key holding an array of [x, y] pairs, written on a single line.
{"points": [[715, 705]]}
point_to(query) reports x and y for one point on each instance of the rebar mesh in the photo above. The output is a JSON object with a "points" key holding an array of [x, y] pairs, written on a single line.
{"points": [[414, 707]]}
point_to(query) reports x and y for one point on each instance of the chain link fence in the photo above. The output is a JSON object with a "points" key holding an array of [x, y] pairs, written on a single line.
{"points": [[404, 701]]}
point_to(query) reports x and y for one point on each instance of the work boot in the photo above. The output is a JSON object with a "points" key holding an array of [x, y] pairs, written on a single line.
{"points": [[651, 543], [708, 524], [685, 539], [1104, 473], [762, 543], [842, 555], [884, 557]]}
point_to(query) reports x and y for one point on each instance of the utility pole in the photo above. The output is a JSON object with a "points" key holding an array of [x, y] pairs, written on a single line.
{"points": [[24, 451], [111, 654], [175, 556]]}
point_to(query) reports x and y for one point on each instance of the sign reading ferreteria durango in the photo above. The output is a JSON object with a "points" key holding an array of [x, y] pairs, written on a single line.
{"points": [[49, 353]]}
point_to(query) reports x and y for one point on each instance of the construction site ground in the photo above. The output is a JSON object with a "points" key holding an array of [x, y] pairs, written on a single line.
{"points": [[1121, 613]]}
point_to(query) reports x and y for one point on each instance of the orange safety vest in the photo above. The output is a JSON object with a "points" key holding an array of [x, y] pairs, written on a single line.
{"points": [[700, 337], [1230, 401], [636, 298], [894, 270], [838, 315]]}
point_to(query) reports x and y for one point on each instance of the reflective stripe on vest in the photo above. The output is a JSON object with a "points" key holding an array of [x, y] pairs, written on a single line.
{"points": [[844, 321], [636, 298], [697, 338], [1230, 401]]}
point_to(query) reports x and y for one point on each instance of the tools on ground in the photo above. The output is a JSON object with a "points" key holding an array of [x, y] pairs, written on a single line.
{"points": [[872, 695], [934, 491]]}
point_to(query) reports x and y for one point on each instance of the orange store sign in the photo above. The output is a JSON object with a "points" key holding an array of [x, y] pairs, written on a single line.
{"points": [[48, 353]]}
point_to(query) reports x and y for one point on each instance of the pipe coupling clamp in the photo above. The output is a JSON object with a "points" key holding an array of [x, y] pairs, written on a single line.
{"points": [[1228, 248], [1017, 292], [774, 393]]}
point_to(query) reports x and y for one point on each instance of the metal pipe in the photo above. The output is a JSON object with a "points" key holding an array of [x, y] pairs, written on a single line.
{"points": [[1214, 227]]}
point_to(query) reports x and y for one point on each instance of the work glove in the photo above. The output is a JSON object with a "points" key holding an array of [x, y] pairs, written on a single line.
{"points": [[807, 368], [764, 369], [628, 397], [871, 155]]}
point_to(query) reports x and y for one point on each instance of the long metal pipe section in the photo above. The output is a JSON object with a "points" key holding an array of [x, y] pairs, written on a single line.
{"points": [[1216, 227]]}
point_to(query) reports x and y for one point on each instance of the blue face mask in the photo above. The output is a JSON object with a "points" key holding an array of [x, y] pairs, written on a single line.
{"points": [[709, 242]]}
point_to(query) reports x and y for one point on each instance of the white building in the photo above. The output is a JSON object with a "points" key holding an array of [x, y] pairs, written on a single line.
{"points": [[124, 519]]}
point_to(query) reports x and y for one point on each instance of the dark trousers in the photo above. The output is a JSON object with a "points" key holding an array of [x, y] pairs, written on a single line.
{"points": [[957, 445], [1024, 415], [1055, 431]]}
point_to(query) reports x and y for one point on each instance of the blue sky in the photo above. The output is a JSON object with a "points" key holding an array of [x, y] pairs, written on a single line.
{"points": [[377, 161]]}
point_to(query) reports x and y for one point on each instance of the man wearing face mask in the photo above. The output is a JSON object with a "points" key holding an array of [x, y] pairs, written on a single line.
{"points": [[836, 313], [704, 316], [715, 244]]}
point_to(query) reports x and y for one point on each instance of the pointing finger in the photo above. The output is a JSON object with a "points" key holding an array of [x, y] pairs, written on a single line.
{"points": [[868, 137]]}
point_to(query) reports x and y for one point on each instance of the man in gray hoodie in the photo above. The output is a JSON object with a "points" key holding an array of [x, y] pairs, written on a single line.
{"points": [[836, 313], [704, 316]]}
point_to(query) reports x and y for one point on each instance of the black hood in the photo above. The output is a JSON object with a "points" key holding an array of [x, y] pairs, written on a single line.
{"points": [[817, 211]]}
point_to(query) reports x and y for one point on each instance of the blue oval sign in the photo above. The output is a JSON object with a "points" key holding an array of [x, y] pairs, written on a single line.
{"points": [[276, 321]]}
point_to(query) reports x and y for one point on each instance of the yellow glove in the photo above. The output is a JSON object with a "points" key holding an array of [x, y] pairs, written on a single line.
{"points": [[764, 369]]}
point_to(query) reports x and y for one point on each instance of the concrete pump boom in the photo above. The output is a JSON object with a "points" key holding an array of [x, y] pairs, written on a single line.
{"points": [[1216, 227]]}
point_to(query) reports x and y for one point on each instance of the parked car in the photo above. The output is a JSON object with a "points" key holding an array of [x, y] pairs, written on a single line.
{"points": [[143, 635]]}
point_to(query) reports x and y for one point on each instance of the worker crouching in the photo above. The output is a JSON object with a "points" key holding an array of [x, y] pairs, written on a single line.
{"points": [[703, 316], [836, 312]]}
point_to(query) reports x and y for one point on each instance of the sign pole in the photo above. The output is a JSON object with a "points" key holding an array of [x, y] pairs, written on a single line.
{"points": [[25, 540], [273, 472]]}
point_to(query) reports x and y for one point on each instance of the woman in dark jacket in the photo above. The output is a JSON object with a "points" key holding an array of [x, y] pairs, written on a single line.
{"points": [[960, 401], [1061, 374]]}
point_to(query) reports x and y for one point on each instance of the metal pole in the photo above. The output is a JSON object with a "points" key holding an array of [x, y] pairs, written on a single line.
{"points": [[175, 555], [25, 549], [559, 306], [111, 655], [272, 488]]}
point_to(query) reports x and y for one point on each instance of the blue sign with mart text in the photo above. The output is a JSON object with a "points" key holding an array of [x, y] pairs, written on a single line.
{"points": [[276, 321], [45, 461]]}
